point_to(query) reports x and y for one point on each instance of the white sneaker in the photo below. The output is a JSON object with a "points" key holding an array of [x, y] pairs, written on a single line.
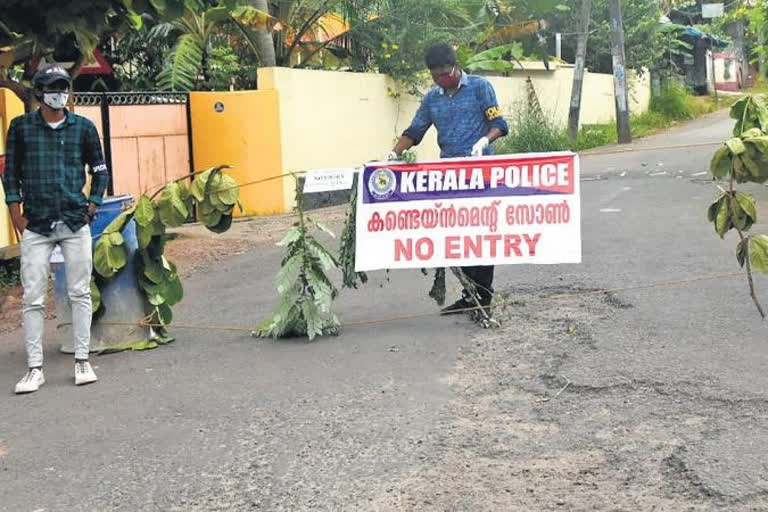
{"points": [[31, 382], [84, 373]]}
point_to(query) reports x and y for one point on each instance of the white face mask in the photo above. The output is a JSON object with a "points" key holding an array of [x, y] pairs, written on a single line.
{"points": [[56, 100]]}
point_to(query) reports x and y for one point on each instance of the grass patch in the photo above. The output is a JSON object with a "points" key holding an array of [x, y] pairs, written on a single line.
{"points": [[530, 131]]}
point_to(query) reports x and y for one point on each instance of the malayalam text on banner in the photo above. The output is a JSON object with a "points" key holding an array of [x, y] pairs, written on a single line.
{"points": [[500, 210]]}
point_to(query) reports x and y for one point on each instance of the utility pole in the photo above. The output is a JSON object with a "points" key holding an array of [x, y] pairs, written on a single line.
{"points": [[578, 73], [619, 74]]}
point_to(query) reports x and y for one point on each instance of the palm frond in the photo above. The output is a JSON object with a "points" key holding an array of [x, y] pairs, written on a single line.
{"points": [[182, 65]]}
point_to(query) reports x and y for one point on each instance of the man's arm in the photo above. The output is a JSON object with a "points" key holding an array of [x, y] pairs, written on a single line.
{"points": [[415, 132], [404, 143], [498, 126], [11, 177], [98, 168]]}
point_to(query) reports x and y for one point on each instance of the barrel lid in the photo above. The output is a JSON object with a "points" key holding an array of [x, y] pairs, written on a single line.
{"points": [[117, 199]]}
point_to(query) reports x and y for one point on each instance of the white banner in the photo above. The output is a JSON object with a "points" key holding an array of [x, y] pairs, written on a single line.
{"points": [[499, 210], [328, 180]]}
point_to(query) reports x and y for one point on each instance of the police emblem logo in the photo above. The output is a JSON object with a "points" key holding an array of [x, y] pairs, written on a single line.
{"points": [[382, 184]]}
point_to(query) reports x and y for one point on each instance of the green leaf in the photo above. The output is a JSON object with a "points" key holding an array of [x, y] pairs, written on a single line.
{"points": [[292, 235], [760, 143], [714, 208], [95, 296], [225, 189], [173, 211], [209, 215], [174, 292], [740, 171], [721, 162], [116, 225], [129, 345], [723, 220], [156, 299], [321, 253], [738, 108], [156, 246], [322, 227], [182, 65], [101, 258], [751, 165], [287, 272], [741, 253], [218, 203], [758, 252], [747, 204], [736, 145], [155, 272], [143, 236], [313, 320], [198, 185], [164, 339], [145, 212], [115, 238], [117, 257], [500, 66], [762, 112], [164, 314], [225, 222], [216, 14], [752, 133], [496, 53]]}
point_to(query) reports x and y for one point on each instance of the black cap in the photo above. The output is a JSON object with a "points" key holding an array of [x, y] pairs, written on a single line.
{"points": [[49, 74]]}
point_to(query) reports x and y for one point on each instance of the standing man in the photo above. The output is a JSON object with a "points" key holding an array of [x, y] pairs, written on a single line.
{"points": [[46, 155], [468, 119]]}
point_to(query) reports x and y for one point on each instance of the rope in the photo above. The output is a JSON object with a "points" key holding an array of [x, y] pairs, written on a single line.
{"points": [[654, 148], [414, 316], [474, 308], [581, 153]]}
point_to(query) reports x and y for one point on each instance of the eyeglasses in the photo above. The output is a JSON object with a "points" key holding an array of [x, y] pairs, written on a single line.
{"points": [[442, 74]]}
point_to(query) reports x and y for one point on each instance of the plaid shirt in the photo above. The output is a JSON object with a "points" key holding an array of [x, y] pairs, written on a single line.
{"points": [[45, 170], [462, 119]]}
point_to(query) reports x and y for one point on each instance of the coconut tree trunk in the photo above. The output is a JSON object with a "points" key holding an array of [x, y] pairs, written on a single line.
{"points": [[264, 42]]}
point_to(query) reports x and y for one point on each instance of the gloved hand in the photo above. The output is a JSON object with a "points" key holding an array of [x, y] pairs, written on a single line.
{"points": [[479, 147], [391, 156]]}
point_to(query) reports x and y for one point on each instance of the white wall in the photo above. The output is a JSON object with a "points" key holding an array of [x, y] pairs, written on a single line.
{"points": [[336, 119]]}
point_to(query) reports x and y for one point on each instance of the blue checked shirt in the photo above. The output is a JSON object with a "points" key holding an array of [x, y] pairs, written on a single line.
{"points": [[462, 119], [45, 170]]}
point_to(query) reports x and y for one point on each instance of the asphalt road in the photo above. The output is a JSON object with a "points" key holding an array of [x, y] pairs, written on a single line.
{"points": [[645, 399]]}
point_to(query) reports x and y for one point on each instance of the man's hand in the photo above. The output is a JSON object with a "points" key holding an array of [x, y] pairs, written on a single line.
{"points": [[479, 147], [92, 208], [19, 222]]}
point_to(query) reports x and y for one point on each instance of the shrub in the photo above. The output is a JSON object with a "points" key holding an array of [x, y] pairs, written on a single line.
{"points": [[674, 102], [531, 131]]}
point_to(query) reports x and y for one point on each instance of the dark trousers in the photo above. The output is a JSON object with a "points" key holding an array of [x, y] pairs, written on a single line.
{"points": [[483, 278]]}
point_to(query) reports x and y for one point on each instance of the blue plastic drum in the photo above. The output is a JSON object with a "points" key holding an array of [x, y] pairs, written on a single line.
{"points": [[121, 297]]}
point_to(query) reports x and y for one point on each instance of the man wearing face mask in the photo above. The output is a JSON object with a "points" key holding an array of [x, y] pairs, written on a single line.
{"points": [[46, 154], [468, 119]]}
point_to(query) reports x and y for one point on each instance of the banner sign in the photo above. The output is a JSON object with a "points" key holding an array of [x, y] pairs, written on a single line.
{"points": [[328, 180], [496, 210]]}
